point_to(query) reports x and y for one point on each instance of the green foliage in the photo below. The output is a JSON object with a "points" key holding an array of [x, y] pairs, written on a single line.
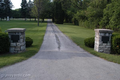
{"points": [[111, 16], [24, 7], [80, 15], [116, 44], [94, 12], [4, 43], [89, 42], [16, 13], [29, 41], [58, 12], [5, 8]]}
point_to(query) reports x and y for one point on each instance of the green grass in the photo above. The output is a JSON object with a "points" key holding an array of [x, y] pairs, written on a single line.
{"points": [[32, 31], [78, 34]]}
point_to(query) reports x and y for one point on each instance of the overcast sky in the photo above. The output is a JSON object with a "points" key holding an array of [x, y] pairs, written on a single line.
{"points": [[17, 3]]}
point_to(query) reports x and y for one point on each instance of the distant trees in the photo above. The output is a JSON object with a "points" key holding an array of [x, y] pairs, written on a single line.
{"points": [[16, 13], [58, 12], [5, 8], [29, 8], [40, 8], [2, 8], [24, 7], [89, 13]]}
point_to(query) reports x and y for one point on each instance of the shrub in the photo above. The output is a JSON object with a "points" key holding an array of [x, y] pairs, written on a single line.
{"points": [[115, 44], [89, 42], [29, 41], [4, 43]]}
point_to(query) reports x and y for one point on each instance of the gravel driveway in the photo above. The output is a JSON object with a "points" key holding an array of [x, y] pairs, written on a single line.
{"points": [[61, 59]]}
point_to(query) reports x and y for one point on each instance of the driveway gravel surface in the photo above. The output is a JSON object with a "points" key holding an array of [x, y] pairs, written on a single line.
{"points": [[61, 59]]}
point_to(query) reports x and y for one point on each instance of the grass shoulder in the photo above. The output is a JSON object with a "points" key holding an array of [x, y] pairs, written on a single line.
{"points": [[32, 31], [78, 34]]}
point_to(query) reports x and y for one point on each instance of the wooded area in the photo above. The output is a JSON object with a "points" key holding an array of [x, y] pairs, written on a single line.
{"points": [[87, 13]]}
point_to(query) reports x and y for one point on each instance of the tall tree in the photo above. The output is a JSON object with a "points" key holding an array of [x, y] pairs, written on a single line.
{"points": [[8, 6], [24, 7], [30, 5], [39, 8], [2, 8], [58, 12]]}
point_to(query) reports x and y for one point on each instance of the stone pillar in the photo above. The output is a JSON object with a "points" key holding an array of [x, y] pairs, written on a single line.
{"points": [[17, 40], [103, 40]]}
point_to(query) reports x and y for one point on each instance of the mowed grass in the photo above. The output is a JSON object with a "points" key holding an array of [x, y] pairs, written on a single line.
{"points": [[32, 31], [78, 34]]}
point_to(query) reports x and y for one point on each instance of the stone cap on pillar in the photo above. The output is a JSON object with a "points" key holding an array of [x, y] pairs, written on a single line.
{"points": [[16, 30], [103, 30]]}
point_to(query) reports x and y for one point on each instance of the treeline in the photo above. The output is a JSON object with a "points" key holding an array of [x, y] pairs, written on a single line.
{"points": [[89, 13]]}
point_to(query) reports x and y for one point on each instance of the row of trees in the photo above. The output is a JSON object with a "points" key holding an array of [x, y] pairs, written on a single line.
{"points": [[91, 13], [88, 13], [36, 9]]}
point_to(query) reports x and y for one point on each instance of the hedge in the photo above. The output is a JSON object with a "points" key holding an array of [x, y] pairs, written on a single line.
{"points": [[29, 41], [89, 42], [115, 43], [4, 43]]}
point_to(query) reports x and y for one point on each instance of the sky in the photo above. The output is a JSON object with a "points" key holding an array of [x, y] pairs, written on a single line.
{"points": [[17, 3]]}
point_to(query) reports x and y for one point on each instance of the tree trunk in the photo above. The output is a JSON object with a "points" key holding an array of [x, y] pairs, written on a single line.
{"points": [[43, 20]]}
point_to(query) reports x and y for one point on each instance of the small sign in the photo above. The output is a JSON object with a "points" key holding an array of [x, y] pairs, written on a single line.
{"points": [[105, 39], [15, 38]]}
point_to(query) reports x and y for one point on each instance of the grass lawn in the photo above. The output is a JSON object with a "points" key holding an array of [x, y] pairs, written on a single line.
{"points": [[32, 31], [78, 34]]}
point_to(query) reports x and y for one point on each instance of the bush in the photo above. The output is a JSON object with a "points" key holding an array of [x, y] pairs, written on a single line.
{"points": [[89, 42], [115, 44], [4, 43], [29, 41]]}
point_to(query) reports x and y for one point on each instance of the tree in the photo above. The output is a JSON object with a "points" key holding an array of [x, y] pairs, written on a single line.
{"points": [[2, 8], [7, 8], [30, 5], [58, 12], [94, 12], [111, 16], [24, 7], [16, 13], [39, 8]]}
